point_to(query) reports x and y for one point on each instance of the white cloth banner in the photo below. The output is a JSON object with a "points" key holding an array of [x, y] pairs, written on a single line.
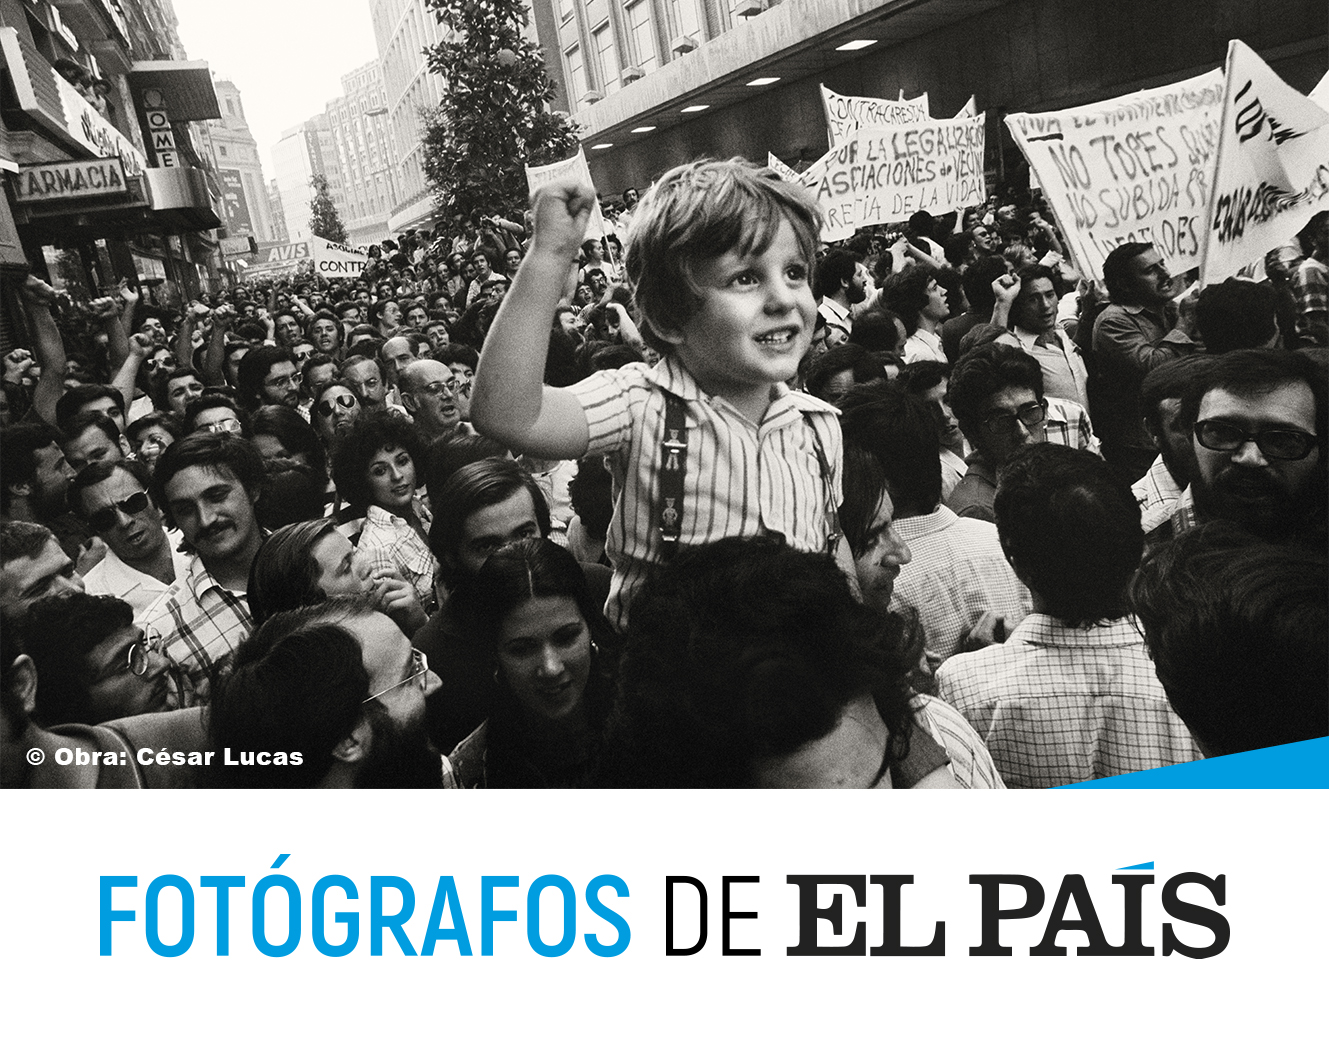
{"points": [[785, 172], [336, 260], [1134, 168], [845, 115], [1272, 173], [538, 176], [885, 174], [969, 110]]}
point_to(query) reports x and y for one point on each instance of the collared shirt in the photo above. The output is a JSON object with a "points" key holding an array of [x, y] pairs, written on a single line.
{"points": [[835, 315], [1059, 705], [971, 763], [953, 468], [200, 623], [1064, 372], [740, 479], [389, 541], [1157, 492], [113, 576], [1183, 518], [958, 572], [924, 346], [1128, 341]]}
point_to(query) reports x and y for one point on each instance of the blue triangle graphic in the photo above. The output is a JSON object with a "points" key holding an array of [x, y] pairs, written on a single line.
{"points": [[1138, 867], [1300, 765]]}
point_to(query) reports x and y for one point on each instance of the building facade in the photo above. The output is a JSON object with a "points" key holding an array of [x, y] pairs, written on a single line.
{"points": [[105, 174], [303, 151], [239, 169], [277, 213], [402, 30], [363, 145], [654, 83]]}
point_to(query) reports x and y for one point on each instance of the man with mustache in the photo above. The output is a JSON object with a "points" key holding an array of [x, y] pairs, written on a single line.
{"points": [[209, 485], [1258, 435]]}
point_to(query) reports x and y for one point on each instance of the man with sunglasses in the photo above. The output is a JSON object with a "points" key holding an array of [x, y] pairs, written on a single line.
{"points": [[1259, 428], [143, 562], [996, 393]]}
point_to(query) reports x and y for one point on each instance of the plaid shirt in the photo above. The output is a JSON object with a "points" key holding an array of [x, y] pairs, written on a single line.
{"points": [[1059, 705], [1157, 492], [740, 479], [971, 763], [387, 541], [1310, 288], [201, 622], [958, 572]]}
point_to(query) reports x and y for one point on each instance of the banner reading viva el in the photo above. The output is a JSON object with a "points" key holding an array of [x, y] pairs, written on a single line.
{"points": [[885, 174], [1133, 168], [1272, 174]]}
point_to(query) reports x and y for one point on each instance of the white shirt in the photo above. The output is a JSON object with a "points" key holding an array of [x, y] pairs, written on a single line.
{"points": [[112, 576], [924, 347]]}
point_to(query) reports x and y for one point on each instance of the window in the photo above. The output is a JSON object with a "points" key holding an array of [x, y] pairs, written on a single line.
{"points": [[606, 58], [576, 74], [641, 32], [230, 105], [222, 149], [566, 9], [684, 20]]}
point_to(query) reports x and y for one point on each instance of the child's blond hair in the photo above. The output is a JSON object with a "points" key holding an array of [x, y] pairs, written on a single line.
{"points": [[700, 211]]}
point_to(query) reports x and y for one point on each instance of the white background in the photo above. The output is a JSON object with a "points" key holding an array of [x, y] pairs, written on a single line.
{"points": [[1262, 997]]}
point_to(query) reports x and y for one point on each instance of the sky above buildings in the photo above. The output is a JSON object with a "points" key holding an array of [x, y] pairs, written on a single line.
{"points": [[286, 57]]}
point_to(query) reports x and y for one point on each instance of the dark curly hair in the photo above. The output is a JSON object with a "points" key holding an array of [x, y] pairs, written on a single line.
{"points": [[354, 452], [745, 648]]}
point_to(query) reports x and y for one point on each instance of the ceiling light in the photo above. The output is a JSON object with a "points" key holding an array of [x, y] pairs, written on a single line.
{"points": [[757, 83], [643, 129], [855, 45], [695, 108], [601, 147]]}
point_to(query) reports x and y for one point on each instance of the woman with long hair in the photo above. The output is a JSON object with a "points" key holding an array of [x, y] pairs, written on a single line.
{"points": [[552, 654]]}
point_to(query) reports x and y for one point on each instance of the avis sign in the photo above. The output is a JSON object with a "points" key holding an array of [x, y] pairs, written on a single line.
{"points": [[79, 179]]}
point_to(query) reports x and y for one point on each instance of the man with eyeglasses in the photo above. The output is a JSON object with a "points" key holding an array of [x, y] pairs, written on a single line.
{"points": [[996, 393], [94, 663], [143, 561], [337, 689], [429, 391], [1259, 429], [268, 377]]}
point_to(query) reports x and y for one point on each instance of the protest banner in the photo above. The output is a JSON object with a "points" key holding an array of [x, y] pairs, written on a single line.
{"points": [[1134, 168], [784, 171], [1272, 169], [969, 110], [537, 176], [336, 260], [885, 174], [845, 115]]}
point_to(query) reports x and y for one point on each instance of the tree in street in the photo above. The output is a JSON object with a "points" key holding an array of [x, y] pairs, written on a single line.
{"points": [[493, 119], [324, 220]]}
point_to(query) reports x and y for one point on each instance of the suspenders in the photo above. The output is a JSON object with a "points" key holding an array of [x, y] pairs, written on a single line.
{"points": [[673, 466]]}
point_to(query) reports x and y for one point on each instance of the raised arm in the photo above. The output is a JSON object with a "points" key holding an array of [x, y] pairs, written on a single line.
{"points": [[47, 345], [509, 401], [126, 377], [215, 357]]}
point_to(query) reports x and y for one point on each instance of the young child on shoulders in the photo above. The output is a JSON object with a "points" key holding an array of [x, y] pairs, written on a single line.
{"points": [[710, 442]]}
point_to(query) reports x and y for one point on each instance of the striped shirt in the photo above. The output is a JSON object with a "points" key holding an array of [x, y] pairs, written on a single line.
{"points": [[971, 763], [740, 479], [1059, 705], [200, 623]]}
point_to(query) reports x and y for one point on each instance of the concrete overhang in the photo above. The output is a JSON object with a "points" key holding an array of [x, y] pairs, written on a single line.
{"points": [[793, 40]]}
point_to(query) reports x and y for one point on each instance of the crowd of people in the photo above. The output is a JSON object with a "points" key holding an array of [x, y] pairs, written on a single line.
{"points": [[695, 501]]}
